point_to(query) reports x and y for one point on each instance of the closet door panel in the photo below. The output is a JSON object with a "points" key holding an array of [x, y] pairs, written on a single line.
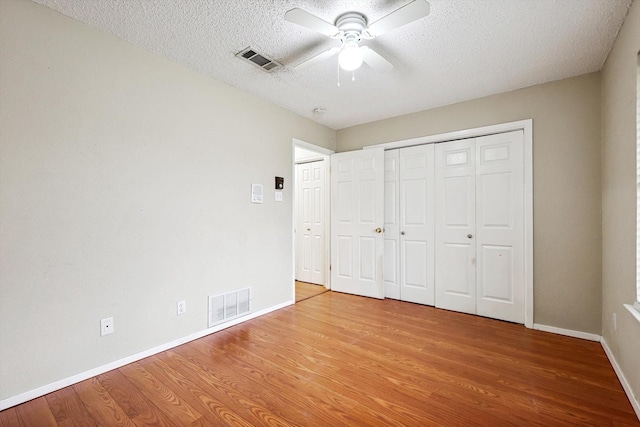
{"points": [[455, 250], [417, 275], [391, 224], [500, 226]]}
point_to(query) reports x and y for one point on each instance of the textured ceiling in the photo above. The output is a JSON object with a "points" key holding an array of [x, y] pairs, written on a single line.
{"points": [[464, 49]]}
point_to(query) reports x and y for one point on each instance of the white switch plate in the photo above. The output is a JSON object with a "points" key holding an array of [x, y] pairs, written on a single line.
{"points": [[106, 326], [278, 196], [256, 193]]}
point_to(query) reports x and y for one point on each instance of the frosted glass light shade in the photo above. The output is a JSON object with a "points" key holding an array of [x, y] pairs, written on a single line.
{"points": [[350, 58]]}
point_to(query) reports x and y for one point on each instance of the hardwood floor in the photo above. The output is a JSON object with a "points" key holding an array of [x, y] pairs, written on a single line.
{"points": [[307, 290], [339, 359]]}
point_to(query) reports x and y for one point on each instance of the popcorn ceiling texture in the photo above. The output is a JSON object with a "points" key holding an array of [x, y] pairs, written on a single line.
{"points": [[464, 49]]}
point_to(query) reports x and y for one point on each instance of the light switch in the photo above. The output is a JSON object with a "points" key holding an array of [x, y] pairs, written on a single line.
{"points": [[278, 196]]}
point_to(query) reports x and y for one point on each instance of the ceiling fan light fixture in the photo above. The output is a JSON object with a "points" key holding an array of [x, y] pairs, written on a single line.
{"points": [[350, 58]]}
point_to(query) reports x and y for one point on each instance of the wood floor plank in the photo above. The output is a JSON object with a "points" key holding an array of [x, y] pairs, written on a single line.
{"points": [[176, 409], [99, 403], [9, 418], [137, 407], [338, 359], [201, 398], [36, 412], [68, 409], [242, 405]]}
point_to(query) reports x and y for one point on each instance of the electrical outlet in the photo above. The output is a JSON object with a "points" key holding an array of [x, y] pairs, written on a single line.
{"points": [[615, 323], [106, 326], [182, 307]]}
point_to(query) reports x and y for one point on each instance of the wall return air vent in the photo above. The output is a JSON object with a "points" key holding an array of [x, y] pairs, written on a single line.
{"points": [[258, 59], [229, 306]]}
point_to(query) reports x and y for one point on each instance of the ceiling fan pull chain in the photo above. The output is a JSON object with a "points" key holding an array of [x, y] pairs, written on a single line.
{"points": [[338, 74], [353, 76]]}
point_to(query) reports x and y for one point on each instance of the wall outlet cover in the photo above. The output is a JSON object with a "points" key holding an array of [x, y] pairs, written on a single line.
{"points": [[182, 307], [106, 326]]}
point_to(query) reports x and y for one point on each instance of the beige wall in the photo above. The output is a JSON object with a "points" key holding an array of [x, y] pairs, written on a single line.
{"points": [[566, 184], [124, 187], [619, 198]]}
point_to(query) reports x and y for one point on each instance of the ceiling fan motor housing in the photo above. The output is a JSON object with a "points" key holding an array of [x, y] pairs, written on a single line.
{"points": [[351, 26]]}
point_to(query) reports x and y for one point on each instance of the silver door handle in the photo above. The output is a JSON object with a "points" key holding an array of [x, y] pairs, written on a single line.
{"points": [[378, 230], [470, 235]]}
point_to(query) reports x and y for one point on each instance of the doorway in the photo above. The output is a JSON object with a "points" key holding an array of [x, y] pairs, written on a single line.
{"points": [[310, 219]]}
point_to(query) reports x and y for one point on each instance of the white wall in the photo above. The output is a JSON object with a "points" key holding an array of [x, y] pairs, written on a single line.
{"points": [[619, 200], [125, 187]]}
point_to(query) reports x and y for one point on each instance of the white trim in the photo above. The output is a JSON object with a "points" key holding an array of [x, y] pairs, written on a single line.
{"points": [[623, 380], [567, 332], [527, 127], [302, 144], [57, 385], [633, 310], [326, 156]]}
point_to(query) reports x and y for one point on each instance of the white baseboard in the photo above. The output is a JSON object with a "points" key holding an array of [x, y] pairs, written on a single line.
{"points": [[567, 332], [57, 385], [623, 380]]}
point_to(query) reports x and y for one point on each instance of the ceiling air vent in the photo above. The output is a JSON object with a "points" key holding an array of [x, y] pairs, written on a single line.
{"points": [[258, 59]]}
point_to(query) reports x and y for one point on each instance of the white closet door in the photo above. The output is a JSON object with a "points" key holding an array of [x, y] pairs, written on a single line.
{"points": [[391, 224], [303, 222], [500, 226], [357, 221], [317, 265], [417, 224], [310, 222], [455, 226]]}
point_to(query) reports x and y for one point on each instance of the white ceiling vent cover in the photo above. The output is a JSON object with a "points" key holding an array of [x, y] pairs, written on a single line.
{"points": [[257, 59], [229, 306]]}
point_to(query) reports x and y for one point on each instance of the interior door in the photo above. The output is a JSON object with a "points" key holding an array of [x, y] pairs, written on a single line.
{"points": [[303, 222], [310, 223], [357, 219], [500, 226], [317, 222], [417, 224], [455, 226]]}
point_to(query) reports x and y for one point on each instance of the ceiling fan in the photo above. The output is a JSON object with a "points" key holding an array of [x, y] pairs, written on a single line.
{"points": [[352, 27]]}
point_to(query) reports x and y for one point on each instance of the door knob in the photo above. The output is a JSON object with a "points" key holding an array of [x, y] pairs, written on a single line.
{"points": [[469, 235], [308, 229], [378, 230], [402, 232]]}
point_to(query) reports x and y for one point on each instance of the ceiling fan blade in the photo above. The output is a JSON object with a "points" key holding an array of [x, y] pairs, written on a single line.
{"points": [[375, 61], [415, 10], [307, 20], [318, 58]]}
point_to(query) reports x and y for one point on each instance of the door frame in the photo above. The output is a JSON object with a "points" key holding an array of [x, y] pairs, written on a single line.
{"points": [[527, 127], [323, 154]]}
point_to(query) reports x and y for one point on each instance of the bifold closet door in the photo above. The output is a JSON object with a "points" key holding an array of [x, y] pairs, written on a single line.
{"points": [[500, 226], [310, 222], [409, 224], [357, 221], [455, 226], [479, 226]]}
